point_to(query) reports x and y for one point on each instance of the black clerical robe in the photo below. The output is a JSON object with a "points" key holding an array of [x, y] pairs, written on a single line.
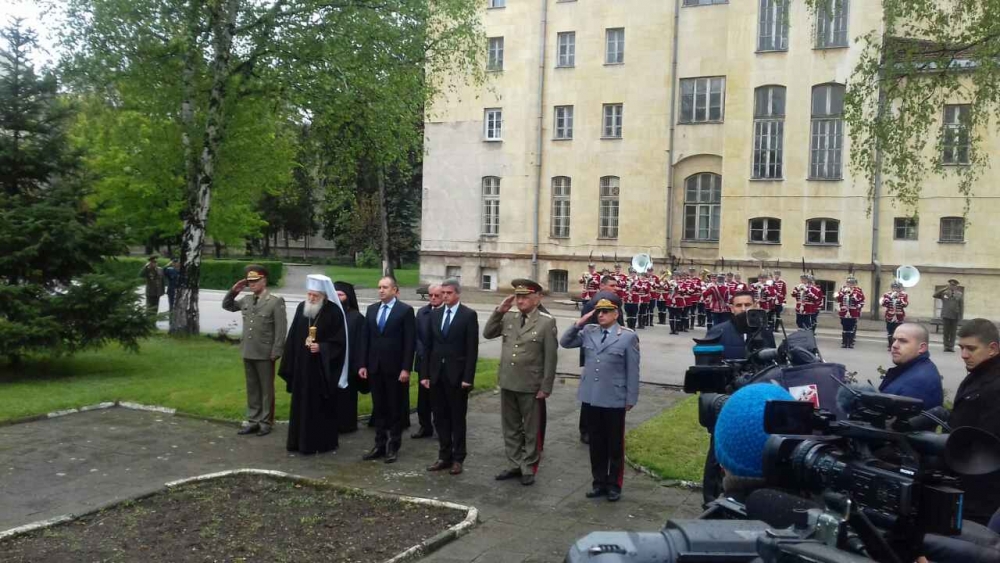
{"points": [[312, 379], [347, 399]]}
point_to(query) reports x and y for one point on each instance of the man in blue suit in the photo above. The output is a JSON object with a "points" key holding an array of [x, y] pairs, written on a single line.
{"points": [[609, 385], [914, 374]]}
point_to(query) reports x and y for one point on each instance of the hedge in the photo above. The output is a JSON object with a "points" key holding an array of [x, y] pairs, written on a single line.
{"points": [[215, 274]]}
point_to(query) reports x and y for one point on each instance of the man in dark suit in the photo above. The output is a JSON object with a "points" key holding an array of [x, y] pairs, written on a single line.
{"points": [[424, 409], [450, 372], [386, 360]]}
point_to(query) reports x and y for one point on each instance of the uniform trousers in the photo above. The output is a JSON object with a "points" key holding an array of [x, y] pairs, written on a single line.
{"points": [[387, 409], [650, 311], [848, 327], [631, 314], [152, 303], [643, 312], [607, 446], [813, 321], [260, 392], [451, 404], [661, 308], [950, 328], [802, 321], [702, 317], [521, 417], [676, 319]]}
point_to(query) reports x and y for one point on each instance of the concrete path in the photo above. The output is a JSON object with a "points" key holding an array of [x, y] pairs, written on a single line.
{"points": [[76, 462]]}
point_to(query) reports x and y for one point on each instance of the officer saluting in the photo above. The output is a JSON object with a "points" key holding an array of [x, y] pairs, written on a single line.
{"points": [[610, 386], [527, 372]]}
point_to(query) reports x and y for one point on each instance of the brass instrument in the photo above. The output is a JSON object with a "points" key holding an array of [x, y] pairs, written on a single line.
{"points": [[846, 294], [908, 276]]}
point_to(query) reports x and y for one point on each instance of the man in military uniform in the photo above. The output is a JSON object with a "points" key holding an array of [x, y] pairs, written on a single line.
{"points": [[610, 385], [675, 303], [632, 300], [153, 275], [895, 303], [643, 287], [716, 299], [590, 280], [264, 329], [765, 296], [951, 312], [850, 301], [781, 291], [526, 374]]}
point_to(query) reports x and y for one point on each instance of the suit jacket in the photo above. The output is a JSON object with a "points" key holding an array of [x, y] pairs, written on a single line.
{"points": [[452, 358], [389, 351], [977, 404], [529, 353], [423, 319], [265, 324], [610, 376]]}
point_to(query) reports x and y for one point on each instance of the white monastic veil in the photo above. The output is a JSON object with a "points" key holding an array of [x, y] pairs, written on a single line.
{"points": [[317, 282]]}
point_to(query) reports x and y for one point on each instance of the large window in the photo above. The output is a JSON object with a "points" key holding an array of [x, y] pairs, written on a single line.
{"points": [[904, 228], [831, 24], [702, 206], [702, 99], [955, 137], [607, 226], [564, 122], [493, 124], [494, 59], [566, 42], [558, 281], [768, 131], [772, 25], [822, 231], [561, 186], [766, 230], [829, 298], [491, 205], [614, 51], [952, 229], [488, 279], [612, 120], [827, 140]]}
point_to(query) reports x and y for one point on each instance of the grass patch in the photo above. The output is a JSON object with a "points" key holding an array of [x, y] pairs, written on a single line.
{"points": [[671, 444], [193, 375], [367, 278]]}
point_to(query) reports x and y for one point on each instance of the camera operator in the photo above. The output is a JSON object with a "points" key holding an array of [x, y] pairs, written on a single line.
{"points": [[977, 404], [915, 375], [737, 336]]}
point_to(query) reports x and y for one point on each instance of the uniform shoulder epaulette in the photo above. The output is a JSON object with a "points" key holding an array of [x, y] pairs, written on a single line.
{"points": [[544, 314], [625, 328]]}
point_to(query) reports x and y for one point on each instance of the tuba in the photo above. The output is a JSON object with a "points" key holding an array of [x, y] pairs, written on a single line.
{"points": [[908, 276], [641, 263]]}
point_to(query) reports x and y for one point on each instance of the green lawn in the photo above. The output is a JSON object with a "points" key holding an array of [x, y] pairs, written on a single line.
{"points": [[197, 376], [671, 444], [407, 276]]}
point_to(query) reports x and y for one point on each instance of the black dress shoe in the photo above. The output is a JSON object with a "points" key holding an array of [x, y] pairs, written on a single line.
{"points": [[528, 479], [251, 429], [373, 453], [614, 496], [508, 474], [391, 456], [264, 431], [439, 465], [422, 433], [597, 492]]}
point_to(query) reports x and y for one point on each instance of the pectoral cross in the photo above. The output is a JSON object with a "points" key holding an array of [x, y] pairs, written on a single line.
{"points": [[312, 336]]}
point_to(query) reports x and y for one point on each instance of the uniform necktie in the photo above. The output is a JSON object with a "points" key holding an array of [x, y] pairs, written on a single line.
{"points": [[605, 337], [523, 319], [381, 319], [447, 322]]}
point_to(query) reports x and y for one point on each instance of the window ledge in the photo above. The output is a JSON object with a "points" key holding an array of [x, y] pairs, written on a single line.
{"points": [[765, 243], [559, 237], [496, 70], [822, 244], [562, 138], [824, 179], [607, 238], [490, 236], [614, 64], [488, 8], [767, 179], [711, 122], [689, 243], [951, 241], [894, 239], [831, 47], [766, 51], [566, 66], [955, 164], [611, 138], [492, 140]]}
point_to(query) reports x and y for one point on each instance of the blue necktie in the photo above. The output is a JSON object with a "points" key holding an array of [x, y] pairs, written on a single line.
{"points": [[605, 337], [381, 319], [447, 323]]}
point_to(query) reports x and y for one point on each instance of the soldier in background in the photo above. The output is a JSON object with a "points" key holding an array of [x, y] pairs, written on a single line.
{"points": [[694, 297], [716, 299], [765, 296], [800, 294], [781, 293], [153, 276], [675, 304], [590, 280], [850, 301], [730, 284], [643, 287], [632, 300], [951, 312], [816, 303], [895, 303], [660, 287]]}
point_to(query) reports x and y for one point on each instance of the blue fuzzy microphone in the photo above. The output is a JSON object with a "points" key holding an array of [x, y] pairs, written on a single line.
{"points": [[739, 431]]}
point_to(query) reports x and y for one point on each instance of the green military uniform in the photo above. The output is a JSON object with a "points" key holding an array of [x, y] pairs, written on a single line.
{"points": [[264, 328], [951, 312], [153, 276], [527, 366]]}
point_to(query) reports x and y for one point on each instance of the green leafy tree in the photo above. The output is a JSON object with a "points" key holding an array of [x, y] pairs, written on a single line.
{"points": [[50, 299]]}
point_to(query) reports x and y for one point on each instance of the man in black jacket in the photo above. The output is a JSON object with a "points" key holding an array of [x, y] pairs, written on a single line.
{"points": [[977, 404], [424, 409], [386, 361], [450, 372]]}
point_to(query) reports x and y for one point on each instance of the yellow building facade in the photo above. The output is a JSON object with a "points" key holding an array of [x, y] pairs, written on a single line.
{"points": [[700, 132]]}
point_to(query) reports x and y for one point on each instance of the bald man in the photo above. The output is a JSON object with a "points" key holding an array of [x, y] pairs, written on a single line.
{"points": [[914, 374]]}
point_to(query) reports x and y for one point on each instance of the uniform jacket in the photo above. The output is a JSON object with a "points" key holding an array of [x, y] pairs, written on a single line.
{"points": [[850, 301], [390, 350], [765, 296], [809, 299], [153, 275], [782, 290], [716, 298], [590, 282], [529, 353], [919, 378], [265, 324], [452, 358], [895, 307], [977, 404], [951, 303], [610, 376]]}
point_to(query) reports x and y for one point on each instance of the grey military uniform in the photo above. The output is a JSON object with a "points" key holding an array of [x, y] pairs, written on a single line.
{"points": [[610, 377], [527, 365], [265, 325]]}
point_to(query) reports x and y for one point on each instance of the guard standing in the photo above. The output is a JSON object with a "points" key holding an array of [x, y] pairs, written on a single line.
{"points": [[895, 303], [816, 303], [951, 312], [153, 275], [800, 294], [781, 291], [632, 301], [766, 297], [642, 287], [716, 299], [851, 301], [675, 304], [526, 375], [590, 279]]}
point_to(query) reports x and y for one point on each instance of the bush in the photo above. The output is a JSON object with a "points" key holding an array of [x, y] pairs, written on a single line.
{"points": [[368, 258], [215, 274]]}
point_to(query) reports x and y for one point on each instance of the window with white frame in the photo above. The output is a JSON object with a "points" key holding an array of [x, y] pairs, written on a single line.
{"points": [[822, 231], [488, 279], [702, 99], [496, 3], [702, 206], [704, 2], [827, 139], [952, 229], [493, 124], [614, 52], [491, 205], [453, 272], [607, 215], [768, 131], [564, 122], [765, 230], [561, 186], [955, 137], [829, 299], [494, 59], [904, 228], [566, 42], [772, 25], [558, 281], [831, 24], [612, 120]]}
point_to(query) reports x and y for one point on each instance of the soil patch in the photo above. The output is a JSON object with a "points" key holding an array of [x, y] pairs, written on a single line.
{"points": [[239, 518]]}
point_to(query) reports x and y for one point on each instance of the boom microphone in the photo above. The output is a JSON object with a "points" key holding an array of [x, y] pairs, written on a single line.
{"points": [[922, 422], [848, 396], [777, 508]]}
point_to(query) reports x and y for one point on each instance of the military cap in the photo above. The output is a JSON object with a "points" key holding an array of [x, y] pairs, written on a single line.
{"points": [[954, 281], [524, 286], [607, 300], [852, 279], [153, 257], [605, 305], [255, 272]]}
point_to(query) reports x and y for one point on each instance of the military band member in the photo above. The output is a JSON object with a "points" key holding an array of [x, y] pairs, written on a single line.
{"points": [[590, 280], [659, 298], [850, 301], [694, 297], [643, 287], [632, 300], [781, 291], [675, 304], [801, 294], [621, 284], [716, 299], [526, 374], [895, 303], [609, 384], [765, 296], [730, 284]]}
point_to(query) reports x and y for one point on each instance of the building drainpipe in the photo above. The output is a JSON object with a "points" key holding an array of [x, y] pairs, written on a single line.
{"points": [[539, 146], [673, 121], [876, 201]]}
